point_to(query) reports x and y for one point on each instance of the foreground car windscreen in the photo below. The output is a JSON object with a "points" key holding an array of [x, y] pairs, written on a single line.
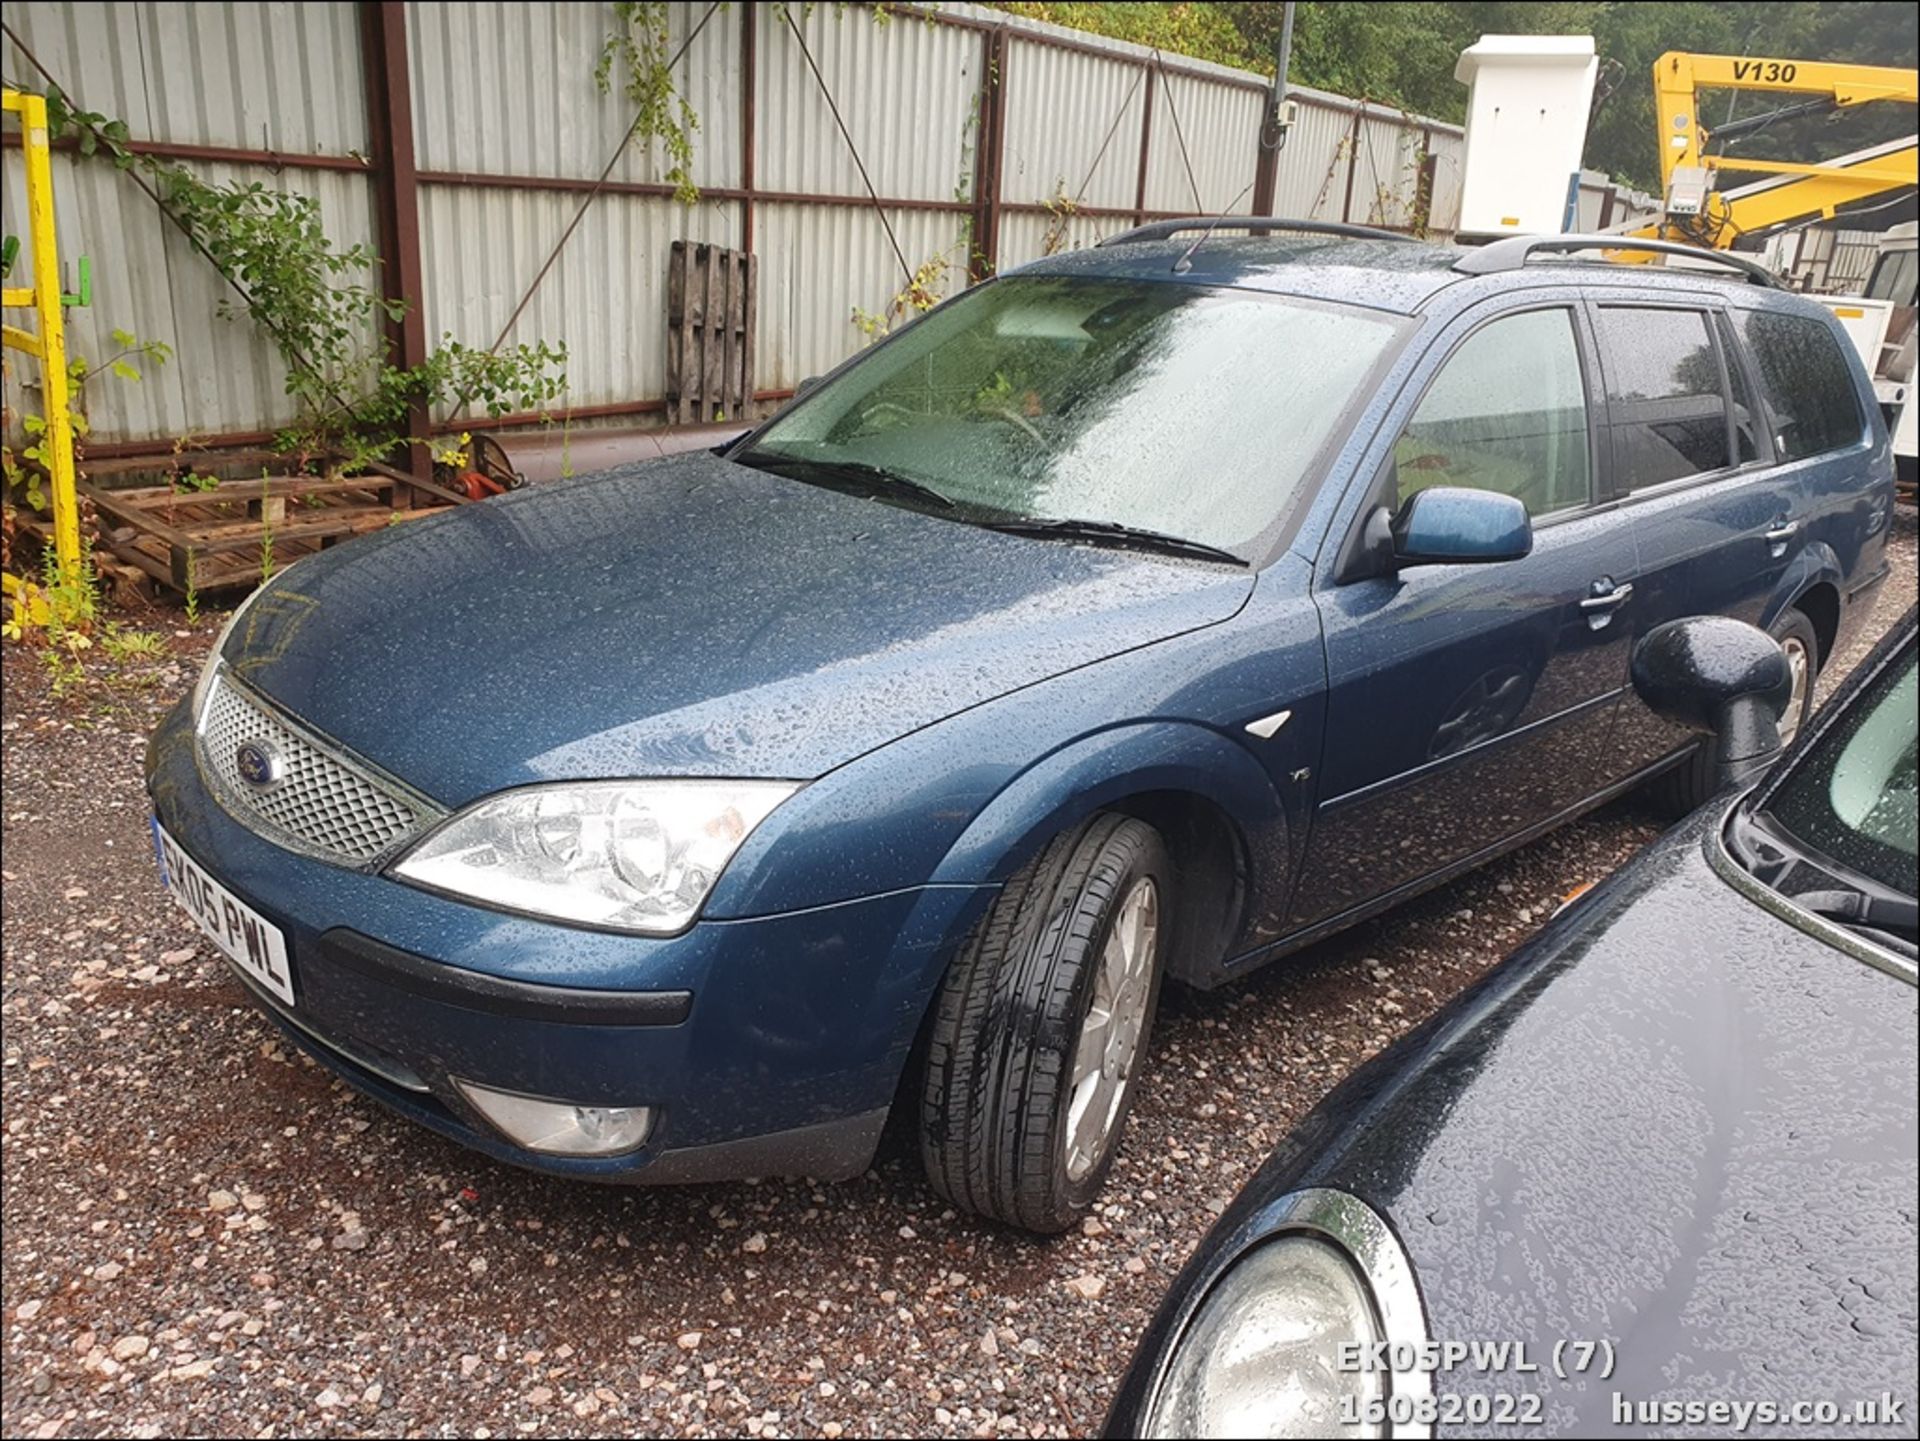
{"points": [[1161, 408], [1847, 816]]}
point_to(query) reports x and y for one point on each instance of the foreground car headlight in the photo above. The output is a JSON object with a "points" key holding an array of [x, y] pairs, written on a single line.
{"points": [[213, 663], [621, 855], [1261, 1356], [560, 1128], [1288, 1339]]}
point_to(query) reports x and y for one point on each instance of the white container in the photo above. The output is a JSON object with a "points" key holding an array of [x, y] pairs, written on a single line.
{"points": [[1526, 126]]}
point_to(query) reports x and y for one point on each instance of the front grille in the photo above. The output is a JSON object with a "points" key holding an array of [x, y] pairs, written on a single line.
{"points": [[323, 803]]}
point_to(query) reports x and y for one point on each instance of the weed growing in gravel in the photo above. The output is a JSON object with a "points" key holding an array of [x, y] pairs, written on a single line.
{"points": [[118, 643], [65, 673]]}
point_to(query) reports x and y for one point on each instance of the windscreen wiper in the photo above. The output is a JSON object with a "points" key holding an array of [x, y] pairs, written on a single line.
{"points": [[853, 476], [1113, 532], [1894, 914]]}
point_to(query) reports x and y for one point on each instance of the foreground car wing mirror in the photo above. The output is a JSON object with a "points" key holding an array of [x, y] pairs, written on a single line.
{"points": [[1720, 676], [1448, 525]]}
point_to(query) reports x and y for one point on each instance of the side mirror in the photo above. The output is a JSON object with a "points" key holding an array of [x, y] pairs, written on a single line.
{"points": [[812, 382], [1448, 525], [1720, 676]]}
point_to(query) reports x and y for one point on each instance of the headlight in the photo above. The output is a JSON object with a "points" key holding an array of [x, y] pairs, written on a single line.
{"points": [[1283, 1342], [1261, 1356], [620, 855], [212, 666]]}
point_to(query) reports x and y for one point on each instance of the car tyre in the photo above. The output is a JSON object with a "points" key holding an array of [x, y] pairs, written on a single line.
{"points": [[1041, 1025], [1690, 784]]}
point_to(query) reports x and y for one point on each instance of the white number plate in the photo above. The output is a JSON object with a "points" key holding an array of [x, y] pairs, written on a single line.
{"points": [[245, 937]]}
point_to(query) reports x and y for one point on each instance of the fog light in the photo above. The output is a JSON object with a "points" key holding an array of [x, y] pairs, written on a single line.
{"points": [[560, 1128]]}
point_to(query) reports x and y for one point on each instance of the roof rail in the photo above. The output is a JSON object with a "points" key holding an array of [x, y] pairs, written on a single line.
{"points": [[1510, 252], [1253, 225]]}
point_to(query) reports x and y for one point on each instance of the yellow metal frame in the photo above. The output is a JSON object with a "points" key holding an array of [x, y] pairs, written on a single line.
{"points": [[1819, 189], [48, 344]]}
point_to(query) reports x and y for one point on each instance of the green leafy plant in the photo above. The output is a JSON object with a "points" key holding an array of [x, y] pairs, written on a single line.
{"points": [[92, 132], [1061, 208], [310, 296], [117, 643], [919, 295], [316, 303], [59, 608], [65, 672], [637, 48], [123, 364]]}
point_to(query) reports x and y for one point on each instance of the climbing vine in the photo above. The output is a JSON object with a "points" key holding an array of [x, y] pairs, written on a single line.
{"points": [[1061, 208], [311, 298], [917, 297], [637, 51]]}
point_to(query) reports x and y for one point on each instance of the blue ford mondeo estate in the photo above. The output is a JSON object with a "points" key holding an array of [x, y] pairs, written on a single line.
{"points": [[1148, 612]]}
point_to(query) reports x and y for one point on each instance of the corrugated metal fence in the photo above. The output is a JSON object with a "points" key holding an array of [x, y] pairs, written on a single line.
{"points": [[459, 140]]}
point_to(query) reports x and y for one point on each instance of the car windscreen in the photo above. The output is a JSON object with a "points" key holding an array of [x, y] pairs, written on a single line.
{"points": [[1165, 407], [1852, 797]]}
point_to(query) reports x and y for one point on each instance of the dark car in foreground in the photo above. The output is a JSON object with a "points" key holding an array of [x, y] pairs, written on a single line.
{"points": [[1152, 611], [1656, 1174]]}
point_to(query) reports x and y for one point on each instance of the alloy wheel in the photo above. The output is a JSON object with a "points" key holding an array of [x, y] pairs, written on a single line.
{"points": [[1115, 1025], [1800, 667]]}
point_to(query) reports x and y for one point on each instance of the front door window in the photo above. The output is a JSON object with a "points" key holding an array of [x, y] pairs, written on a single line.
{"points": [[1507, 413]]}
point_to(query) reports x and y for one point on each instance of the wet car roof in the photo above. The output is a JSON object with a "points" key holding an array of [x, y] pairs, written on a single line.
{"points": [[1399, 276]]}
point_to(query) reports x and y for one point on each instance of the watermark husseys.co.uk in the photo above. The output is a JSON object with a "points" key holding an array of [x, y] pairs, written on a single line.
{"points": [[1883, 1410]]}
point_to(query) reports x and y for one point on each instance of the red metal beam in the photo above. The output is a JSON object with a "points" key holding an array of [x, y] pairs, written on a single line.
{"points": [[194, 447], [383, 35], [612, 411], [1096, 212], [707, 192], [206, 448], [221, 154]]}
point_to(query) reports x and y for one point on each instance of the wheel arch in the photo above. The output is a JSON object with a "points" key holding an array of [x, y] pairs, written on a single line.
{"points": [[1212, 802], [1810, 585], [1820, 603]]}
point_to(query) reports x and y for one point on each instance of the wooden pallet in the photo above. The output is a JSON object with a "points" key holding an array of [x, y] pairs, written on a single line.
{"points": [[207, 540], [712, 293]]}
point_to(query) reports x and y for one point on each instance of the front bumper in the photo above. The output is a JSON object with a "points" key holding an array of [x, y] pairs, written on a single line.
{"points": [[768, 1046]]}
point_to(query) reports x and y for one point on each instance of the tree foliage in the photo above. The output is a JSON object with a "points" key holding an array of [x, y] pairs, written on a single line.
{"points": [[1403, 53]]}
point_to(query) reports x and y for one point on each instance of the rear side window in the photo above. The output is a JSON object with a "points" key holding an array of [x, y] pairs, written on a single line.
{"points": [[1893, 278], [1805, 382], [1664, 392], [1507, 412]]}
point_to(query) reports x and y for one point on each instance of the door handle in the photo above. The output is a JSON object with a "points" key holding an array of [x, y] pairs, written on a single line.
{"points": [[1783, 532], [1608, 600]]}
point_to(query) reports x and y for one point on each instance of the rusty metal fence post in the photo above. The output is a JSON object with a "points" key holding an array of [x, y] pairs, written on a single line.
{"points": [[749, 84], [1146, 144], [984, 258], [396, 188]]}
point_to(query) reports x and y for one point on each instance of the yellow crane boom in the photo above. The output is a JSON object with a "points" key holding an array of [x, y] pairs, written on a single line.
{"points": [[1699, 211]]}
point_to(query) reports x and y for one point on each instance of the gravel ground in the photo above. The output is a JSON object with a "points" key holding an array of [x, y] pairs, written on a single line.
{"points": [[205, 1233]]}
